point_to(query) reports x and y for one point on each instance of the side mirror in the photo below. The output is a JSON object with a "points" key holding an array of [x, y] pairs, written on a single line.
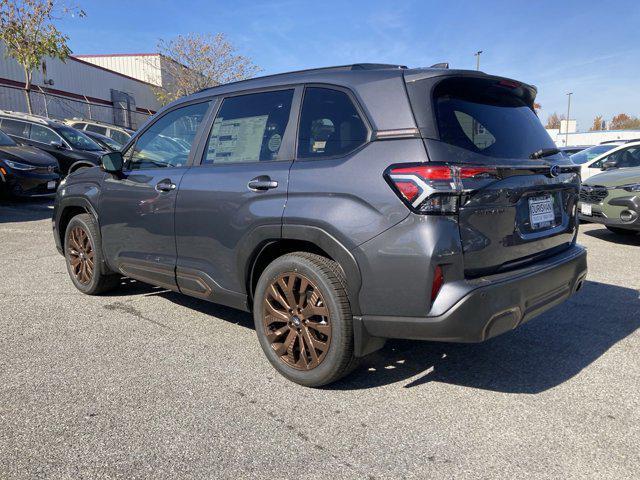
{"points": [[57, 144], [609, 164], [112, 162]]}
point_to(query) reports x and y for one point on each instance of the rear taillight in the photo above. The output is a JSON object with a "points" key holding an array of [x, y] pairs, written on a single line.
{"points": [[432, 188]]}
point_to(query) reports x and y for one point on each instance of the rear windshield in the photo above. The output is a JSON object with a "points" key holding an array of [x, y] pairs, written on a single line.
{"points": [[590, 153], [489, 117]]}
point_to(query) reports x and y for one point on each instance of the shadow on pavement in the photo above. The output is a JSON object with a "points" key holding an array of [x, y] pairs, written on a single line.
{"points": [[606, 235], [540, 355], [129, 286], [28, 210], [544, 353]]}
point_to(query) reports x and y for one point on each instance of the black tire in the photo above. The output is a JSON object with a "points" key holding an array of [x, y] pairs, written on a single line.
{"points": [[622, 231], [328, 278], [101, 280]]}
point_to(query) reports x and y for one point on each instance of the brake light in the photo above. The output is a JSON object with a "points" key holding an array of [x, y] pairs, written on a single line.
{"points": [[432, 188], [508, 84], [438, 280]]}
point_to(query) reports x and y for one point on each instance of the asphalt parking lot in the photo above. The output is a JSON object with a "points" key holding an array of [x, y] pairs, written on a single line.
{"points": [[145, 383]]}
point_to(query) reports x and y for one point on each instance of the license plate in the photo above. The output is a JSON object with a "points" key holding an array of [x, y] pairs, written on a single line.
{"points": [[51, 185], [585, 209], [541, 211]]}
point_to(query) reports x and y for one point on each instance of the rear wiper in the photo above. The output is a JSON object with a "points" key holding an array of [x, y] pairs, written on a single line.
{"points": [[544, 152]]}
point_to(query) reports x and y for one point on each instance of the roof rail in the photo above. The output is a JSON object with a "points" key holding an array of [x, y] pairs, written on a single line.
{"points": [[97, 122], [632, 140], [612, 141], [27, 116], [353, 66]]}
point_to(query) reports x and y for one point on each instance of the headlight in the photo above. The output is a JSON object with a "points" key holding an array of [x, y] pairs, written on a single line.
{"points": [[18, 165], [632, 187]]}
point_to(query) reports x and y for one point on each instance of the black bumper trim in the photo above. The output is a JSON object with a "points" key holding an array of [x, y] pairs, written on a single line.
{"points": [[490, 310]]}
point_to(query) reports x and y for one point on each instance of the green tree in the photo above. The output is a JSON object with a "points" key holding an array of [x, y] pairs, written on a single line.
{"points": [[192, 62], [28, 32]]}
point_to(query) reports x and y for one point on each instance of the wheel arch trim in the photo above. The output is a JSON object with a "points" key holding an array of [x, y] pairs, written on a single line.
{"points": [[265, 236]]}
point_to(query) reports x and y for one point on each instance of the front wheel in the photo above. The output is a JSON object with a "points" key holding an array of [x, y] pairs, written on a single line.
{"points": [[622, 231], [83, 255], [303, 319]]}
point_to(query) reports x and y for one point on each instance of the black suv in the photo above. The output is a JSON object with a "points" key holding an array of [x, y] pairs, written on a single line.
{"points": [[342, 206], [72, 148]]}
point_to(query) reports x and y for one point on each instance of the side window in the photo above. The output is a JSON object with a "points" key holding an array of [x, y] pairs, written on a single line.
{"points": [[629, 157], [329, 125], [249, 128], [168, 141], [119, 137], [15, 127], [43, 135], [612, 156], [96, 129]]}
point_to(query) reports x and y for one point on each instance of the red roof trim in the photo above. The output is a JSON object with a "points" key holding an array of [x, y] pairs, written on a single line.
{"points": [[63, 93]]}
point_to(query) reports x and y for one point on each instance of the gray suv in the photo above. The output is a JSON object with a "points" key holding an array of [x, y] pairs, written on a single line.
{"points": [[342, 206]]}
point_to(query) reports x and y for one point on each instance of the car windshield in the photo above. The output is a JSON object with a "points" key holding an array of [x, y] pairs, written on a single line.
{"points": [[5, 140], [590, 153], [78, 139]]}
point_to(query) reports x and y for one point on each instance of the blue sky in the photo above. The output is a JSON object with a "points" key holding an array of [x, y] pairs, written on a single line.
{"points": [[591, 48]]}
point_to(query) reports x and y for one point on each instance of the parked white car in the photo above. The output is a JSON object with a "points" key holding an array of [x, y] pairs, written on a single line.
{"points": [[607, 156]]}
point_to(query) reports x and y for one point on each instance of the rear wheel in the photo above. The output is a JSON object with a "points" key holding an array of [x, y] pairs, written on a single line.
{"points": [[622, 231], [83, 254], [303, 319]]}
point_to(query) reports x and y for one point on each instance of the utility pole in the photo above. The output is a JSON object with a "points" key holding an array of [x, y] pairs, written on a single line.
{"points": [[566, 136], [477, 55]]}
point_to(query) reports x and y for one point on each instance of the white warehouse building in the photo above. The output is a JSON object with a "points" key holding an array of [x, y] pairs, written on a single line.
{"points": [[147, 67], [78, 89]]}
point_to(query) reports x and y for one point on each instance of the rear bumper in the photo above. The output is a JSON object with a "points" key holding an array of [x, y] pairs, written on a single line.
{"points": [[490, 305]]}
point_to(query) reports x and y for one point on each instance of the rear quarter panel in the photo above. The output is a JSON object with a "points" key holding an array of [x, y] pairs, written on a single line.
{"points": [[348, 197]]}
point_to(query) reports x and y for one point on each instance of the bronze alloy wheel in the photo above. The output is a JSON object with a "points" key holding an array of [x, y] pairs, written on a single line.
{"points": [[296, 321], [81, 258]]}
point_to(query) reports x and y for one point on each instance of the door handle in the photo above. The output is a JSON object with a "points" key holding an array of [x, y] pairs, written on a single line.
{"points": [[165, 186], [262, 183]]}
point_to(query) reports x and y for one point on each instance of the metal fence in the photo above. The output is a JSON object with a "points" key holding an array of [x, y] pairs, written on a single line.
{"points": [[60, 107]]}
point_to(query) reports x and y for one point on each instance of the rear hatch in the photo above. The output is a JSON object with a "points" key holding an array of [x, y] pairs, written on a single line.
{"points": [[522, 207]]}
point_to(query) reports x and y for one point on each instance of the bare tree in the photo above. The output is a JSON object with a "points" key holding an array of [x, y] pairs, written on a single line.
{"points": [[553, 121], [192, 62], [27, 29]]}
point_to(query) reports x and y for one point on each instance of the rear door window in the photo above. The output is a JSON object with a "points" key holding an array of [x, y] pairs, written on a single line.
{"points": [[330, 124], [489, 117], [249, 128], [43, 135], [15, 127]]}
